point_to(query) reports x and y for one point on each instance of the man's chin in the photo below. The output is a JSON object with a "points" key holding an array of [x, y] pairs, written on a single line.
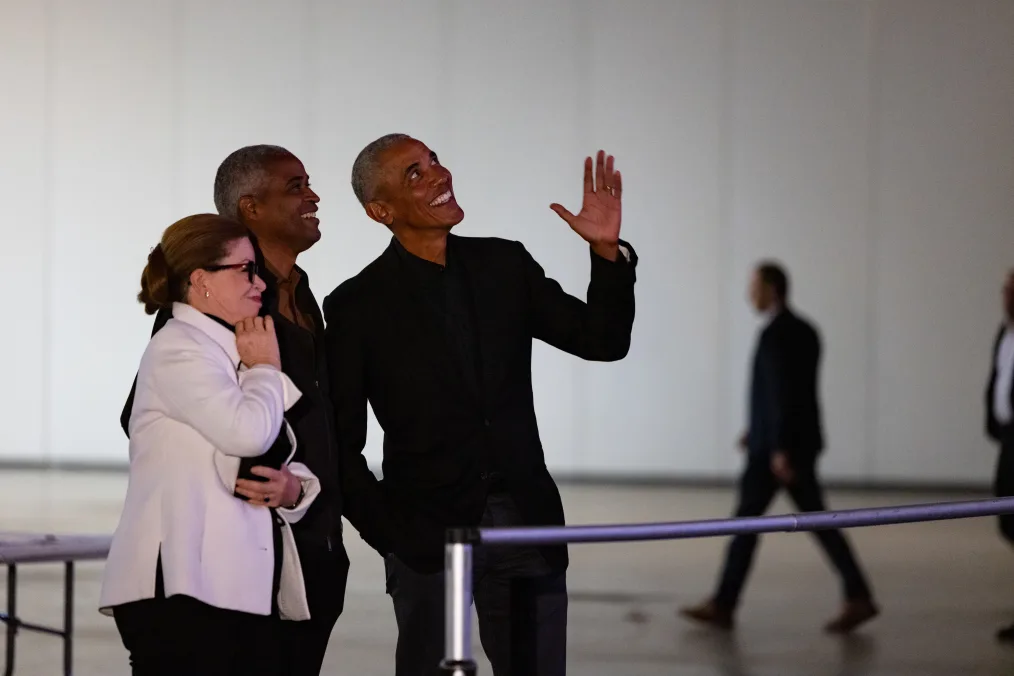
{"points": [[456, 218], [444, 216]]}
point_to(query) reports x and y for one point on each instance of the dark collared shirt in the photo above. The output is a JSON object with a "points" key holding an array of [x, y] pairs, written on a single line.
{"points": [[287, 305], [446, 292]]}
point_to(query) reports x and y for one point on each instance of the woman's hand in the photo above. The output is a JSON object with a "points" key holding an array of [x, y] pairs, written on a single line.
{"points": [[257, 343], [281, 489]]}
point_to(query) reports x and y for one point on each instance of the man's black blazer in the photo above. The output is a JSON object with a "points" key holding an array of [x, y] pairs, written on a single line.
{"points": [[785, 410], [997, 432], [386, 346]]}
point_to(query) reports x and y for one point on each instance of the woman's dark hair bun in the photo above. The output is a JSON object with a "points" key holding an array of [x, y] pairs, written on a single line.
{"points": [[155, 293], [191, 243]]}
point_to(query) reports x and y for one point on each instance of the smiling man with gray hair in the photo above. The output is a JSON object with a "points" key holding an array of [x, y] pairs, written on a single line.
{"points": [[366, 170], [244, 172], [436, 335], [266, 188]]}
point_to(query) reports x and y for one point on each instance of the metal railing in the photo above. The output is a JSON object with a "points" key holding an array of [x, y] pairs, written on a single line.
{"points": [[458, 659]]}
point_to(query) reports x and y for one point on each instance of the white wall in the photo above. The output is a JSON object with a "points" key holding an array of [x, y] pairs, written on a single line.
{"points": [[869, 145]]}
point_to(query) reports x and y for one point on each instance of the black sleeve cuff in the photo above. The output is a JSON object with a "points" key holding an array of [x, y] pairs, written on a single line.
{"points": [[624, 264]]}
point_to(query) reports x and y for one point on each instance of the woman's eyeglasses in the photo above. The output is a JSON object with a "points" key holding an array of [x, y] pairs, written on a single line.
{"points": [[250, 268]]}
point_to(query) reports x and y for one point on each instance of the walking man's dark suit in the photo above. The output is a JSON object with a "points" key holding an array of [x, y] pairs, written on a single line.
{"points": [[441, 350], [782, 444], [1000, 418]]}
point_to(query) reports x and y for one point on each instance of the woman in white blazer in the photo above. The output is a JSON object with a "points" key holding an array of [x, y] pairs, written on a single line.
{"points": [[203, 566]]}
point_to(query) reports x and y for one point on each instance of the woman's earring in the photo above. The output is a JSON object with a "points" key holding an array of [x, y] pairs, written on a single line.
{"points": [[207, 294]]}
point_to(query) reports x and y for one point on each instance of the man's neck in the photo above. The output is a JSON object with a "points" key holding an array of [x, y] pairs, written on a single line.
{"points": [[279, 259], [430, 245]]}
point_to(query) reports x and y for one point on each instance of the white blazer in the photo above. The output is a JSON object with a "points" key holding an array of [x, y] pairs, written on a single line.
{"points": [[197, 411]]}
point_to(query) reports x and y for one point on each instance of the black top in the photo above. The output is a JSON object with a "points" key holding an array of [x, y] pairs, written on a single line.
{"points": [[785, 412], [444, 288], [445, 434], [445, 292]]}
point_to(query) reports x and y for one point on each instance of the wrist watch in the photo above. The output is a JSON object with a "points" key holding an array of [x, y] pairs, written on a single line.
{"points": [[299, 499]]}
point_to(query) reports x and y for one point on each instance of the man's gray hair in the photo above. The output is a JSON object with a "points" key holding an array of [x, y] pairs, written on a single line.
{"points": [[366, 168], [242, 173]]}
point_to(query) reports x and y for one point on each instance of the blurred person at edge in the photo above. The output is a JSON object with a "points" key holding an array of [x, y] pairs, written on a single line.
{"points": [[203, 564], [1000, 417]]}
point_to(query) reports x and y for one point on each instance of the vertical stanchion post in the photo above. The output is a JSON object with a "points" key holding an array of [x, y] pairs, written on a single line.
{"points": [[458, 604], [12, 616], [68, 618]]}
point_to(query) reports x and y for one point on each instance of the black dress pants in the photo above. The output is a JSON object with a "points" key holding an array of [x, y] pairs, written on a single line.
{"points": [[180, 635], [757, 489], [325, 573], [521, 604], [1003, 484]]}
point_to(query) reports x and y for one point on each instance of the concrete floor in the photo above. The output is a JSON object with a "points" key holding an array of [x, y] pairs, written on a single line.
{"points": [[944, 589]]}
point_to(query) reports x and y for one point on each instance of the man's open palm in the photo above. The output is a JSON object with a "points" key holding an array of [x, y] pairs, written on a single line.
{"points": [[598, 222]]}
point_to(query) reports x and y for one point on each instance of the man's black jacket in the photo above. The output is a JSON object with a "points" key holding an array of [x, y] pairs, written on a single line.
{"points": [[446, 433]]}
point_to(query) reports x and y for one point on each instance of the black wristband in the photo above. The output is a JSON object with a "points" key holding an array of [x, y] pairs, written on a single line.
{"points": [[302, 494]]}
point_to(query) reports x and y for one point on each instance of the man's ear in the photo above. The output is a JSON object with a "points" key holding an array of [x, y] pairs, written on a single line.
{"points": [[247, 208], [380, 212]]}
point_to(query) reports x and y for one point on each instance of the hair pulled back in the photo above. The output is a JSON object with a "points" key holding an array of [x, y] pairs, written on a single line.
{"points": [[189, 244]]}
